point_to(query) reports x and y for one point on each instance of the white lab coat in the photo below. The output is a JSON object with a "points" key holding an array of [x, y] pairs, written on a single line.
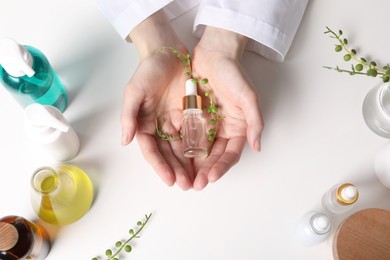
{"points": [[270, 24]]}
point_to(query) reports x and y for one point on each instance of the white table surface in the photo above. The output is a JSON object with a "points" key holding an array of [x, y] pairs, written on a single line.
{"points": [[314, 138]]}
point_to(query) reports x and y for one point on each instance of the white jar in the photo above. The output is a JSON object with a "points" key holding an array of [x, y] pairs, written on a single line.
{"points": [[47, 127]]}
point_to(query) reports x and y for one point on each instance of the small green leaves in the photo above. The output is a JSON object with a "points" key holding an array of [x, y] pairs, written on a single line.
{"points": [[204, 81], [359, 67], [362, 66], [125, 246], [347, 57]]}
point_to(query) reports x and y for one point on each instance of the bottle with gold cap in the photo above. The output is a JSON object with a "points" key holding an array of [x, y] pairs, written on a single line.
{"points": [[193, 124], [340, 198], [22, 239]]}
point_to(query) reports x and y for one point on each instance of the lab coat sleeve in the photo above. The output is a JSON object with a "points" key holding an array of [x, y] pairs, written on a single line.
{"points": [[270, 24], [125, 15]]}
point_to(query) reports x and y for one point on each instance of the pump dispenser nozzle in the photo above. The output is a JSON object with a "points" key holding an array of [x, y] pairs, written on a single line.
{"points": [[15, 59], [39, 116]]}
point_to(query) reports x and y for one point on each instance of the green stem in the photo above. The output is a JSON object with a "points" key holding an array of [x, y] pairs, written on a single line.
{"points": [[133, 236]]}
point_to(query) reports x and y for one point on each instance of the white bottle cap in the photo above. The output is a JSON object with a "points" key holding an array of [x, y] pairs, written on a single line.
{"points": [[15, 59], [349, 193], [44, 119], [191, 88], [321, 223]]}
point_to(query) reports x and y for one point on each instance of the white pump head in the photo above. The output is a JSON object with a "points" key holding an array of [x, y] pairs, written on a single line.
{"points": [[44, 119], [15, 59]]}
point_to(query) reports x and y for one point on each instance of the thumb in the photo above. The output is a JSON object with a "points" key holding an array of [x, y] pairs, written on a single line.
{"points": [[131, 104], [254, 119]]}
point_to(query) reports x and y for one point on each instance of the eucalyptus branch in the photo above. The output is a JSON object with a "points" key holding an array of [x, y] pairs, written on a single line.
{"points": [[125, 245], [371, 67]]}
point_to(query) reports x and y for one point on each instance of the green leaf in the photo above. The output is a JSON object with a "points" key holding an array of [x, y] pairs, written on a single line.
{"points": [[385, 78], [131, 231], [213, 121], [373, 63], [340, 32], [345, 41], [359, 67], [388, 72], [363, 59], [338, 48], [212, 131], [353, 51], [139, 223], [128, 248], [188, 74], [372, 72], [347, 57], [204, 81], [118, 244], [207, 94], [108, 252]]}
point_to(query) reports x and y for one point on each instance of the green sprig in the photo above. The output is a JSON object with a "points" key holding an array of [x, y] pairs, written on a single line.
{"points": [[361, 65], [119, 246]]}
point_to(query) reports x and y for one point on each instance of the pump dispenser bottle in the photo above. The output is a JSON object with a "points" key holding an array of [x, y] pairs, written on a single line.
{"points": [[22, 239], [340, 198], [47, 127], [193, 124], [27, 74]]}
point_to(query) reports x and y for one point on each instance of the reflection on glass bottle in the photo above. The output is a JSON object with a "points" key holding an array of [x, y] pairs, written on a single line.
{"points": [[61, 196], [22, 239], [194, 124], [376, 110], [27, 74], [340, 198]]}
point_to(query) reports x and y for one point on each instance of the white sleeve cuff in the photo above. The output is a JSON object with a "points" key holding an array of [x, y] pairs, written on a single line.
{"points": [[267, 38], [126, 15]]}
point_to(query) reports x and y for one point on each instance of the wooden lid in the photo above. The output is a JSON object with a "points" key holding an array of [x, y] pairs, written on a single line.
{"points": [[363, 235], [8, 236]]}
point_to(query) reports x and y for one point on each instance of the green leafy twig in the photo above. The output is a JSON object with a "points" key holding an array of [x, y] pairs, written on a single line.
{"points": [[125, 245], [361, 66], [212, 108]]}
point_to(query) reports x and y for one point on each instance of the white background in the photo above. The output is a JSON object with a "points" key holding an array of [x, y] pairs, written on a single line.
{"points": [[314, 138]]}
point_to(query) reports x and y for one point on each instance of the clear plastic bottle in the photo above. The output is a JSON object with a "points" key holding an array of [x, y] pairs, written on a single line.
{"points": [[62, 195], [22, 239], [340, 198], [193, 125], [314, 228], [27, 74]]}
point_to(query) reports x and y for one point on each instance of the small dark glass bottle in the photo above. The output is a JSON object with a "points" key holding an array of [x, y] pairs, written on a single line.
{"points": [[22, 239]]}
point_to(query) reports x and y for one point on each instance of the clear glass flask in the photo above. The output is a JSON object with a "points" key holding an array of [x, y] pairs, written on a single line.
{"points": [[340, 198], [62, 195]]}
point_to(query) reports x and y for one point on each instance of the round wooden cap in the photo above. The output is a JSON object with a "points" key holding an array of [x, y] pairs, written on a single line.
{"points": [[8, 236], [363, 235]]}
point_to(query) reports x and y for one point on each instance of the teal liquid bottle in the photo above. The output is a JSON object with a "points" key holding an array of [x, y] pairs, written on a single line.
{"points": [[27, 74]]}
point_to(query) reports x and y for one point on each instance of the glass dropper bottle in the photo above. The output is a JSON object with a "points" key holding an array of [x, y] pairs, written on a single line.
{"points": [[193, 124]]}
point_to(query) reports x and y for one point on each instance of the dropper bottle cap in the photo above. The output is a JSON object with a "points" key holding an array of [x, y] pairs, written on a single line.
{"points": [[320, 223], [347, 194], [191, 99], [9, 236], [15, 59]]}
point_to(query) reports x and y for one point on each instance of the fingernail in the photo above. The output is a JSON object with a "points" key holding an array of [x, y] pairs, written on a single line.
{"points": [[125, 138], [257, 146]]}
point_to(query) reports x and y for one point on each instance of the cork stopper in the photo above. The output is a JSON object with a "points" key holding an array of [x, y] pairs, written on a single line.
{"points": [[8, 236]]}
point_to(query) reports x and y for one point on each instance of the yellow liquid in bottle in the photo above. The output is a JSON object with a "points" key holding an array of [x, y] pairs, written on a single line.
{"points": [[66, 196]]}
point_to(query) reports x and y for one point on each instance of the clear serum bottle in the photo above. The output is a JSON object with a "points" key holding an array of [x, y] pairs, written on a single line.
{"points": [[194, 138], [22, 239], [340, 198]]}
